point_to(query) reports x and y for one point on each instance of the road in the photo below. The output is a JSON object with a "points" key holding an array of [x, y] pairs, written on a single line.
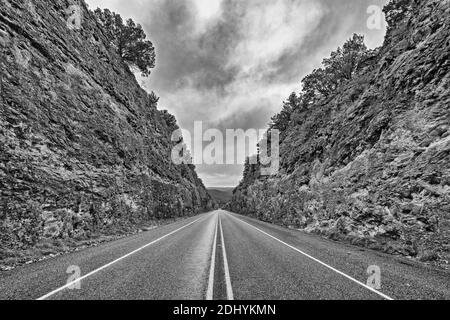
{"points": [[223, 256]]}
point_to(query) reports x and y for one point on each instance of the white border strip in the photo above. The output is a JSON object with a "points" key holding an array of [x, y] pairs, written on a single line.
{"points": [[210, 291], [318, 261], [113, 262], [230, 295]]}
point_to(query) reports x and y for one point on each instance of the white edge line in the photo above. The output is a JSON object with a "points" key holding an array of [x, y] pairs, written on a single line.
{"points": [[318, 261], [230, 295], [210, 291], [113, 262]]}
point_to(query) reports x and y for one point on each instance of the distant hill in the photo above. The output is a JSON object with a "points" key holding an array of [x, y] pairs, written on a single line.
{"points": [[221, 195]]}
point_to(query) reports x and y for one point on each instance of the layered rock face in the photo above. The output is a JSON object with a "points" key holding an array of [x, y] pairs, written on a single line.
{"points": [[83, 149], [372, 164]]}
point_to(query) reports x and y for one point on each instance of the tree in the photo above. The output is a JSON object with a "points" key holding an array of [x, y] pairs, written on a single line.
{"points": [[317, 85], [344, 62], [281, 120], [339, 68], [169, 119], [246, 167], [129, 39], [154, 99]]}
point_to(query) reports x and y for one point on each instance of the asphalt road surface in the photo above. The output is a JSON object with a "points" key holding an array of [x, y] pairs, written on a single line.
{"points": [[223, 256]]}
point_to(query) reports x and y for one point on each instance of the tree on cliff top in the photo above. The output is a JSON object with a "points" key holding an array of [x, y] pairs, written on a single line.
{"points": [[129, 39], [339, 68]]}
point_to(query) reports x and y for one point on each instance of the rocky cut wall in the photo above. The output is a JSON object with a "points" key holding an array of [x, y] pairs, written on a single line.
{"points": [[371, 165], [83, 149]]}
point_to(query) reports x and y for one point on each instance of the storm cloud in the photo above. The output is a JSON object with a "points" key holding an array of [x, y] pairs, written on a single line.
{"points": [[231, 63]]}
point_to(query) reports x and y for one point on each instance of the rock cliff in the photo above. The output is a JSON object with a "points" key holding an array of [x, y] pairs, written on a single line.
{"points": [[83, 149], [371, 165]]}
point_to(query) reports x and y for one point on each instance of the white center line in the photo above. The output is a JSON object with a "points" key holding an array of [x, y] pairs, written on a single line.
{"points": [[210, 292], [318, 261], [113, 262], [230, 295]]}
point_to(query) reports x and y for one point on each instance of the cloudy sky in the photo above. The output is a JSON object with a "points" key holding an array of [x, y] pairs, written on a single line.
{"points": [[231, 63]]}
